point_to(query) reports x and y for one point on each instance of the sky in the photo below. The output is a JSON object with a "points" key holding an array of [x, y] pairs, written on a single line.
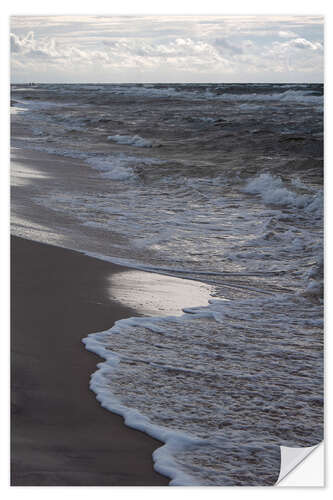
{"points": [[166, 48]]}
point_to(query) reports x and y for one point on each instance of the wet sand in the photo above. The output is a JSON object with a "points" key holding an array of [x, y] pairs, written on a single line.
{"points": [[60, 435]]}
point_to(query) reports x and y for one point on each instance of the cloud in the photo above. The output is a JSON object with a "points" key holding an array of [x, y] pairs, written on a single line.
{"points": [[224, 45], [18, 45], [286, 34], [29, 47], [157, 48], [15, 44], [298, 43], [175, 48], [302, 43]]}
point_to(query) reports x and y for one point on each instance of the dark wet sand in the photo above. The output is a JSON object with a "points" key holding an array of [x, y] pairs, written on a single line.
{"points": [[60, 435]]}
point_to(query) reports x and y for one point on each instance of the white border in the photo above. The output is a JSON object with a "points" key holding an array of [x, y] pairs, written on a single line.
{"points": [[235, 7], [123, 7]]}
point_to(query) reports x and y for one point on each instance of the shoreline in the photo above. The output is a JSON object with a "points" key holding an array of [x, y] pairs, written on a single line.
{"points": [[60, 435], [60, 201]]}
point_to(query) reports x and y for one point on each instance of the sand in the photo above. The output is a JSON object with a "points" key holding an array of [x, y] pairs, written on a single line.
{"points": [[60, 435]]}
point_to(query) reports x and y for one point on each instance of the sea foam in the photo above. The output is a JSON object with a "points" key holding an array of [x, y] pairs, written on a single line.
{"points": [[131, 140], [174, 441], [272, 190], [192, 387]]}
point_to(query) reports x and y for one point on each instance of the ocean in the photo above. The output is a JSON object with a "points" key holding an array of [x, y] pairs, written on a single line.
{"points": [[220, 185]]}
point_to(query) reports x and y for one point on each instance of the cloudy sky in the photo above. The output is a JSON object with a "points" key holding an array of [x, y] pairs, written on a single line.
{"points": [[166, 48]]}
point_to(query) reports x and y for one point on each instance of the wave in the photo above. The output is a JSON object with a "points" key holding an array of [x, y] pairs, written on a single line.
{"points": [[131, 140], [272, 190], [202, 92], [302, 96], [298, 93], [290, 95], [153, 364], [117, 167], [174, 441]]}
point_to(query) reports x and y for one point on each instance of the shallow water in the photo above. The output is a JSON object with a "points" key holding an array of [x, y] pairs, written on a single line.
{"points": [[216, 183]]}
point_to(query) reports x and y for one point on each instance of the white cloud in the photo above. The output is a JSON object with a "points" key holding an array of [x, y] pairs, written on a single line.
{"points": [[29, 47], [226, 46], [18, 44], [286, 34], [157, 48], [302, 43]]}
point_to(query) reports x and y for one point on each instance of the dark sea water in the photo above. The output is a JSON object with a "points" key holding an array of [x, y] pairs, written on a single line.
{"points": [[220, 183]]}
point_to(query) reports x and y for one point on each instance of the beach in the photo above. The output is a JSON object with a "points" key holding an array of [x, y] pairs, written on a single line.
{"points": [[167, 267], [61, 436]]}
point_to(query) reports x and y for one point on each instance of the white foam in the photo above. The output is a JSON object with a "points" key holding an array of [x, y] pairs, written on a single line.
{"points": [[131, 140], [117, 167], [152, 92], [113, 167], [290, 95], [273, 191], [167, 369], [15, 110], [301, 96], [36, 105], [175, 441]]}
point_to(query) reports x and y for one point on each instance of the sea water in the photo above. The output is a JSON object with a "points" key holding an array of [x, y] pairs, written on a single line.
{"points": [[214, 183]]}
